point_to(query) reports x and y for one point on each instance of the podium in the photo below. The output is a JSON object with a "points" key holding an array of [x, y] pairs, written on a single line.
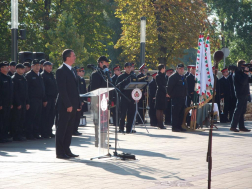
{"points": [[100, 114]]}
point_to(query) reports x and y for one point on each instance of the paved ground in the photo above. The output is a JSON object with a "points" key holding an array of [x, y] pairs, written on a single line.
{"points": [[164, 160]]}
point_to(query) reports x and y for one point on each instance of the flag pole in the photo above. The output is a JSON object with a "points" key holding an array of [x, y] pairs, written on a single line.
{"points": [[218, 56]]}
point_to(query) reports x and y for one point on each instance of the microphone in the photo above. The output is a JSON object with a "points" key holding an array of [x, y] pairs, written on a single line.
{"points": [[91, 66], [106, 72]]}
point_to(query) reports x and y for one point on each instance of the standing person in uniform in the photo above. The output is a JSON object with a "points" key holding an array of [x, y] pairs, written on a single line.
{"points": [[36, 92], [177, 90], [83, 90], [152, 99], [241, 85], [27, 66], [6, 104], [167, 111], [142, 102], [51, 93], [68, 102], [12, 68], [188, 70], [117, 72], [232, 96], [20, 103], [225, 94], [41, 62], [191, 85], [126, 107], [160, 96], [217, 89]]}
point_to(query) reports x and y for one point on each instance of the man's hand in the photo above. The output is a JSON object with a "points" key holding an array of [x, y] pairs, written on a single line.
{"points": [[1, 107], [82, 103], [70, 109], [44, 104], [27, 106], [11, 106], [167, 96], [78, 110], [19, 107]]}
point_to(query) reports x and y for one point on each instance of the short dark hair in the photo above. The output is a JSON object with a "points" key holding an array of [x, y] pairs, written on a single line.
{"points": [[240, 62], [160, 67], [66, 53]]}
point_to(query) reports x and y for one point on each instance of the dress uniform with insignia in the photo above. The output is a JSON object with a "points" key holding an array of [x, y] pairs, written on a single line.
{"points": [[51, 92], [225, 93], [167, 111], [20, 103], [27, 66], [152, 93], [12, 68], [177, 90], [126, 107], [188, 70], [36, 91], [41, 62], [233, 97], [6, 97]]}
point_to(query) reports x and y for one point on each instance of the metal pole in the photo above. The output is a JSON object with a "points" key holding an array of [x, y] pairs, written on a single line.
{"points": [[142, 40], [14, 30]]}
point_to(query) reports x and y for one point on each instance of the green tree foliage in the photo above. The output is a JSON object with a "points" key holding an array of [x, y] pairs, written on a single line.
{"points": [[234, 20], [172, 27]]}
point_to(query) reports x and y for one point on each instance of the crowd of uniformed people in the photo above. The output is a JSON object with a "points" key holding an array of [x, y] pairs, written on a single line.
{"points": [[28, 94]]}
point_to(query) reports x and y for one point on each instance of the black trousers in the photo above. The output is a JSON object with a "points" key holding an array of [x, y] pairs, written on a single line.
{"points": [[33, 117], [5, 121], [168, 112], [178, 108], [17, 121], [129, 109], [224, 116], [64, 131], [77, 120], [152, 113], [232, 107], [113, 114], [48, 115], [240, 110], [141, 111]]}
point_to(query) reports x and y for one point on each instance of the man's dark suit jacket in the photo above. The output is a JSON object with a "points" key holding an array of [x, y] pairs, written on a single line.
{"points": [[68, 96]]}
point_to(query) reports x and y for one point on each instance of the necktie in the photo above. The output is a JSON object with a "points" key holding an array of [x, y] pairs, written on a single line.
{"points": [[73, 72]]}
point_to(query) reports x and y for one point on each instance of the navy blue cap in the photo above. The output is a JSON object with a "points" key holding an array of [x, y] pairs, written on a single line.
{"points": [[42, 61], [19, 66], [127, 64], [27, 64], [4, 63], [12, 63], [103, 58], [47, 63], [35, 61], [180, 65]]}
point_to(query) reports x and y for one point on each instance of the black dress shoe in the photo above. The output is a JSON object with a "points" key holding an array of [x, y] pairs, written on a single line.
{"points": [[62, 156], [244, 129], [76, 133], [176, 130], [38, 137], [234, 129], [121, 131], [30, 138], [52, 135], [72, 155], [45, 136], [162, 127], [183, 130]]}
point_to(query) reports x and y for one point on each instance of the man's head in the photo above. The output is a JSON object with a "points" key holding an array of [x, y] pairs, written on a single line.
{"points": [[169, 72], [68, 56], [20, 69], [12, 66], [102, 60], [117, 70], [41, 62], [27, 66], [225, 72], [193, 70], [80, 71], [127, 67], [154, 75], [35, 66], [240, 64], [47, 66], [188, 68], [132, 67], [143, 69], [180, 69], [4, 67], [161, 68]]}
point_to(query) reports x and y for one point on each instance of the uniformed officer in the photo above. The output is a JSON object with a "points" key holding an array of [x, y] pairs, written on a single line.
{"points": [[27, 66], [152, 93], [51, 92], [20, 103], [41, 62], [217, 90], [36, 91], [188, 70], [82, 88], [117, 72], [97, 80], [126, 107], [191, 85], [233, 98], [225, 94], [6, 97], [167, 111], [177, 90], [142, 102], [12, 68]]}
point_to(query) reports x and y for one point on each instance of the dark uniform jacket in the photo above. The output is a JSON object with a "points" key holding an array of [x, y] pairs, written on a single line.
{"points": [[36, 88], [161, 91], [20, 90], [225, 88], [177, 86], [191, 85], [241, 83], [83, 90], [121, 87], [6, 90], [51, 89], [96, 79], [10, 74], [142, 80], [152, 90], [114, 78]]}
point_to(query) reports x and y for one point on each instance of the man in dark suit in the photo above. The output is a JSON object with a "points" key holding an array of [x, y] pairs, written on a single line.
{"points": [[167, 111], [152, 93], [68, 102], [12, 68]]}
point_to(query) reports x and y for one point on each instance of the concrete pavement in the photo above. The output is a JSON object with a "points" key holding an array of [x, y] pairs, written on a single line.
{"points": [[165, 159]]}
